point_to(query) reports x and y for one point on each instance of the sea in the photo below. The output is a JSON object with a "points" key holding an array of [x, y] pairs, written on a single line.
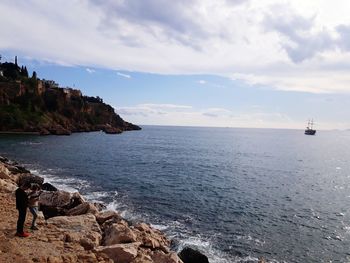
{"points": [[234, 194]]}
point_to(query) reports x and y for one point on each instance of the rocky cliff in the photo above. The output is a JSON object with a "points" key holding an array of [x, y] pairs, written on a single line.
{"points": [[28, 104]]}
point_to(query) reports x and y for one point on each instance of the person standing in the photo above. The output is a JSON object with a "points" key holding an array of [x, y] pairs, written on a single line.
{"points": [[34, 203], [21, 205]]}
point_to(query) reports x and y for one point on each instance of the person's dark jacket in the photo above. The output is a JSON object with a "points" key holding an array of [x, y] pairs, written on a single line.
{"points": [[21, 199]]}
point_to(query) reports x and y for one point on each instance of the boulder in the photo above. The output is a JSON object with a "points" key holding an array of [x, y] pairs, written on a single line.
{"points": [[3, 159], [151, 237], [100, 206], [120, 253], [76, 200], [48, 187], [16, 169], [103, 216], [189, 255], [84, 208], [30, 179], [7, 186], [55, 199], [161, 257], [82, 229], [118, 234]]}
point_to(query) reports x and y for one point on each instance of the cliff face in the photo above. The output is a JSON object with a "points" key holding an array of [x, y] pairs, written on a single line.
{"points": [[33, 105]]}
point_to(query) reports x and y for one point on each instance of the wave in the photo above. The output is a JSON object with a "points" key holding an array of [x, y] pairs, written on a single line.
{"points": [[175, 230]]}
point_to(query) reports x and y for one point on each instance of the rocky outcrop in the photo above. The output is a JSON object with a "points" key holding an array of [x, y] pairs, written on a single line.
{"points": [[119, 233], [83, 229], [73, 224], [189, 255], [120, 253], [53, 110]]}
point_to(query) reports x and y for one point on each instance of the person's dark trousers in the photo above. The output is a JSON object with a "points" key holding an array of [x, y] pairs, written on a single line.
{"points": [[21, 219]]}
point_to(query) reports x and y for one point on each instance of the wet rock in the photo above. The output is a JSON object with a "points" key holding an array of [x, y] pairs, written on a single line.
{"points": [[3, 159], [48, 187], [120, 253], [100, 206], [189, 255]]}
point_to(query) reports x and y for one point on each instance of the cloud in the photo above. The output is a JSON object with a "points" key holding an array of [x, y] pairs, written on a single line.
{"points": [[89, 70], [149, 109], [171, 114], [124, 75], [203, 82], [300, 45]]}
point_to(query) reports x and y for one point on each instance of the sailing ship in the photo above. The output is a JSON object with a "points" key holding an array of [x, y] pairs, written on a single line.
{"points": [[309, 129]]}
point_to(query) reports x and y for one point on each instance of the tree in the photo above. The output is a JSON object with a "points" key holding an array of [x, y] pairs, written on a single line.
{"points": [[25, 72], [34, 75]]}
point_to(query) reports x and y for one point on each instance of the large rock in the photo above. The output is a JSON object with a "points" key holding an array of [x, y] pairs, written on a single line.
{"points": [[6, 186], [120, 253], [3, 159], [106, 215], [118, 233], [48, 187], [16, 169], [30, 179], [82, 229], [161, 257], [189, 255], [4, 172], [84, 208], [151, 237], [55, 199]]}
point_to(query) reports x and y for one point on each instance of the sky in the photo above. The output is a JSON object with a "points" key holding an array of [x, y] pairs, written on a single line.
{"points": [[223, 63]]}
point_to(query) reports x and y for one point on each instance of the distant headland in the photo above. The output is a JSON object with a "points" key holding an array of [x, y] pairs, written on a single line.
{"points": [[38, 106]]}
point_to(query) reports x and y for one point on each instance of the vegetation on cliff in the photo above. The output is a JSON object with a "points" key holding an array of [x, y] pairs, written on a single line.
{"points": [[29, 104]]}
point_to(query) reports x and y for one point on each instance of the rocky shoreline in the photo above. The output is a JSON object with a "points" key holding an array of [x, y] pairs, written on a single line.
{"points": [[74, 230]]}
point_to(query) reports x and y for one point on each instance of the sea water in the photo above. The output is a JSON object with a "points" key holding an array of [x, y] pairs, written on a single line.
{"points": [[234, 194]]}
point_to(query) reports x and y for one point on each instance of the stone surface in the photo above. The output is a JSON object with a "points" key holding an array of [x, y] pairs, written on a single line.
{"points": [[151, 237], [84, 208], [117, 234], [189, 255], [30, 179], [78, 228], [120, 253], [48, 187], [106, 215], [55, 199], [161, 257], [7, 186]]}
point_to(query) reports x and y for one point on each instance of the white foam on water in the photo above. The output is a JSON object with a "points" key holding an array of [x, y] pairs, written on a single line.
{"points": [[66, 184], [175, 229]]}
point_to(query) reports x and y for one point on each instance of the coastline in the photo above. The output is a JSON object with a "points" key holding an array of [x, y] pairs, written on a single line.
{"points": [[74, 230]]}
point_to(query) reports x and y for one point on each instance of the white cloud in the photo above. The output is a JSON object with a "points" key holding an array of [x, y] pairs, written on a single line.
{"points": [[124, 75], [89, 70], [202, 82], [290, 45], [170, 114]]}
